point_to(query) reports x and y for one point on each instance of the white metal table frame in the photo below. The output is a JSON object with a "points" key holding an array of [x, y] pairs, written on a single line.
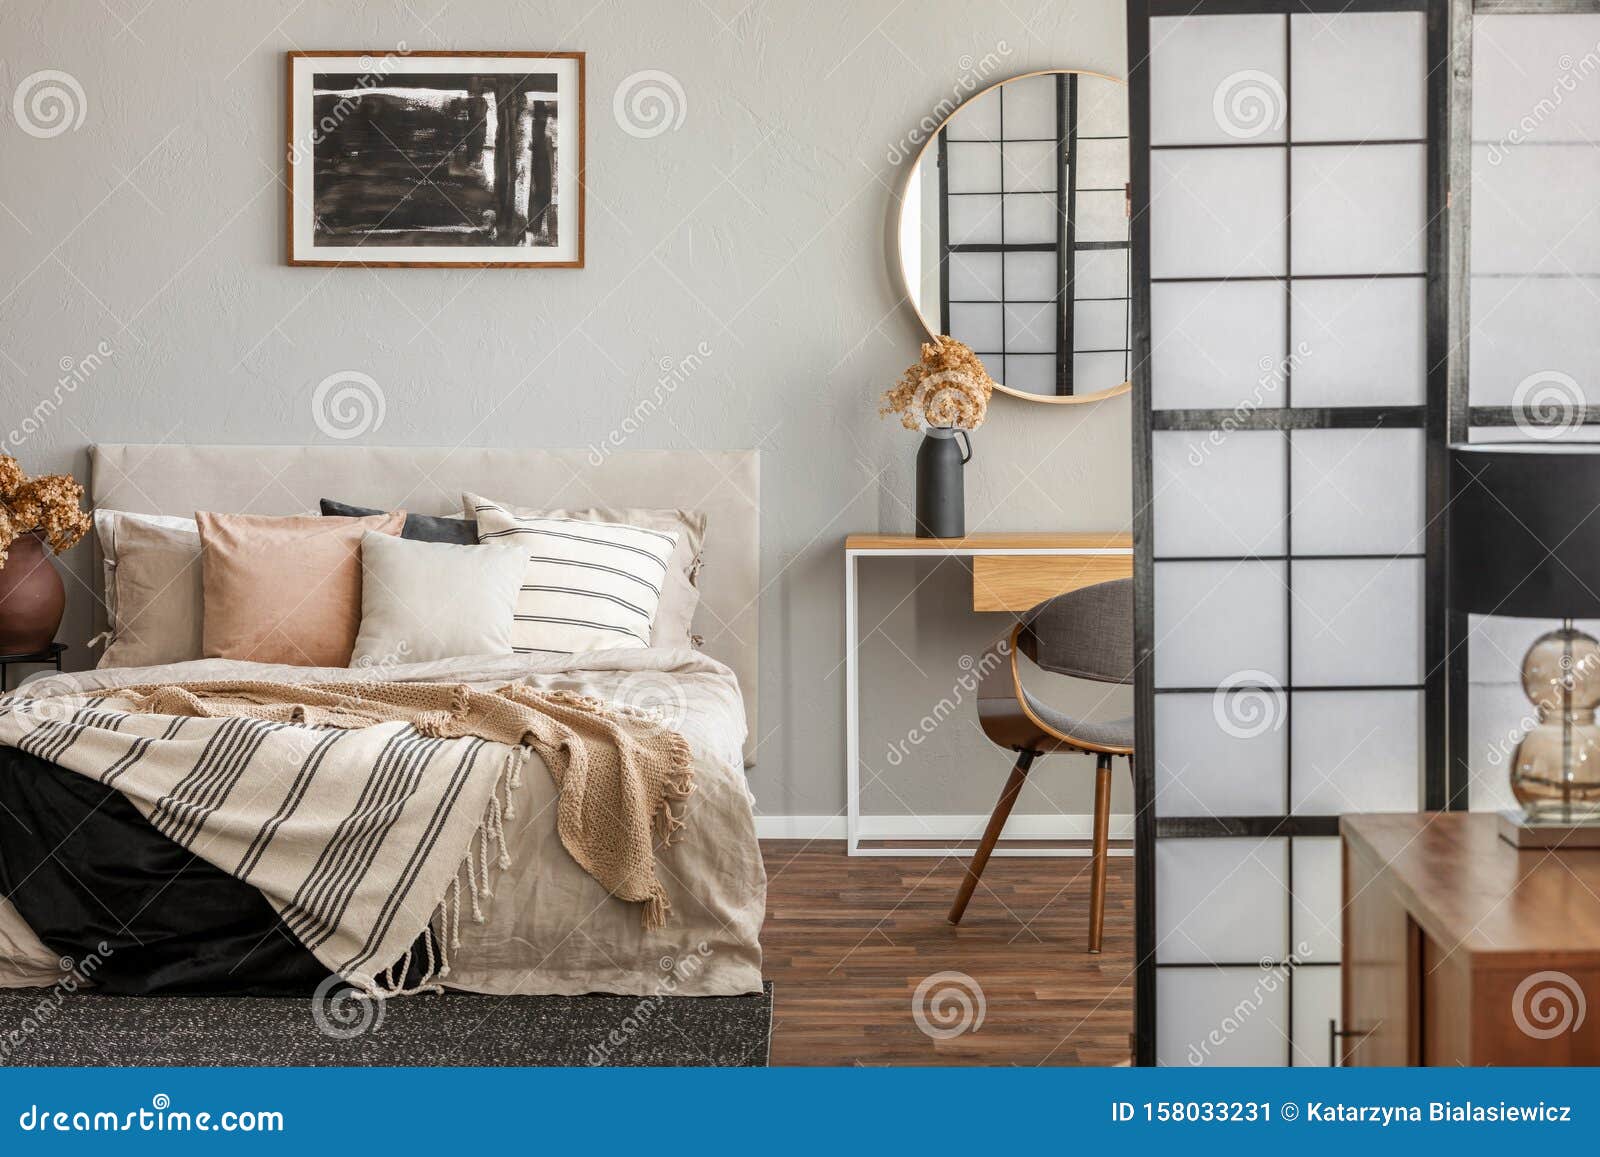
{"points": [[852, 683]]}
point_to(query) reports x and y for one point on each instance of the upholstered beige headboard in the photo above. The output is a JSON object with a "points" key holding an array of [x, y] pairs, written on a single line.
{"points": [[165, 479]]}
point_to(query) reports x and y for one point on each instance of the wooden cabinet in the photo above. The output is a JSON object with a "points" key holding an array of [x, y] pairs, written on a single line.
{"points": [[1461, 950]]}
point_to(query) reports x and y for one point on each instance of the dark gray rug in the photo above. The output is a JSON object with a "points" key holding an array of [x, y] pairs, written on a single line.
{"points": [[46, 1027]]}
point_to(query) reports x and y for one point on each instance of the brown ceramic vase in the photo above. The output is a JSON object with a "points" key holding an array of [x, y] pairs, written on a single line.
{"points": [[32, 598]]}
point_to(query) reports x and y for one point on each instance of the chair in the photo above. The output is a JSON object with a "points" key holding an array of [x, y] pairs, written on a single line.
{"points": [[1088, 634]]}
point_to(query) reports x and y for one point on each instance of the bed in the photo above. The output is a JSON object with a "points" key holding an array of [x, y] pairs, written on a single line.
{"points": [[549, 927]]}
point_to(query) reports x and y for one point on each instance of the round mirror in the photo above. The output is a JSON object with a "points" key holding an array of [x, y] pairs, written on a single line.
{"points": [[1014, 234]]}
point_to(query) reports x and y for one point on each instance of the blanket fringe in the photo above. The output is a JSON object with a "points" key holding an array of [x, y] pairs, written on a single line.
{"points": [[443, 931]]}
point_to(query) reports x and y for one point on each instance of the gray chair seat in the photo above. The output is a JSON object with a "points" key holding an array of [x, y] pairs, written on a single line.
{"points": [[1100, 732]]}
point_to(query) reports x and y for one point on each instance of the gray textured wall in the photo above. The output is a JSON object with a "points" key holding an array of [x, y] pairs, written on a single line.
{"points": [[758, 227]]}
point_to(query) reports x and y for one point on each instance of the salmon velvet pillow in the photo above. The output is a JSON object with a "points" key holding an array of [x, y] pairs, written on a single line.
{"points": [[284, 590]]}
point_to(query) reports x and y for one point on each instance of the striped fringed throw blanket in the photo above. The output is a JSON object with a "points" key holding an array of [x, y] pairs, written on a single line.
{"points": [[368, 814]]}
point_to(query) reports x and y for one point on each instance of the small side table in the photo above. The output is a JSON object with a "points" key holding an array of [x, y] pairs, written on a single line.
{"points": [[49, 657]]}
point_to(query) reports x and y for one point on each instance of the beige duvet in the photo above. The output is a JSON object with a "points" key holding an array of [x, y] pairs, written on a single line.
{"points": [[550, 928]]}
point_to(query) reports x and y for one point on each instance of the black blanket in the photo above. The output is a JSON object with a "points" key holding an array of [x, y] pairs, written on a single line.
{"points": [[84, 868]]}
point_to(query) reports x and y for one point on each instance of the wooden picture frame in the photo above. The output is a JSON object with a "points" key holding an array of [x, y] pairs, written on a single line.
{"points": [[392, 164]]}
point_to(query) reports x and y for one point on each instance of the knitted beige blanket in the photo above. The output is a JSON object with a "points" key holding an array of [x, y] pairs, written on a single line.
{"points": [[617, 772]]}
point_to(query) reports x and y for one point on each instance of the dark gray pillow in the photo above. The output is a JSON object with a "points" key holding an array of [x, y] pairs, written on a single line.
{"points": [[421, 527]]}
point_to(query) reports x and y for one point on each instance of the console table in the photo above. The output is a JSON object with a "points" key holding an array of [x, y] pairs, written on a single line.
{"points": [[1461, 950], [1011, 573]]}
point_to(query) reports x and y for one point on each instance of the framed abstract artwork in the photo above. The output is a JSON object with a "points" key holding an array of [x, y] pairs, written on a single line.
{"points": [[464, 159]]}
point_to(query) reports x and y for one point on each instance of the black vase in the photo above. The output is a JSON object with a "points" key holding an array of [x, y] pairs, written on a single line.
{"points": [[941, 501]]}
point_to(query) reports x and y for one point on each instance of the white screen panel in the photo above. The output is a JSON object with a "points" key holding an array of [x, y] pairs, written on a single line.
{"points": [[1030, 166], [1498, 715], [1359, 209], [1102, 273], [1102, 164], [1357, 622], [1316, 1002], [1100, 325], [1530, 213], [1030, 108], [1218, 493], [1102, 107], [1217, 213], [1221, 901], [1358, 76], [975, 276], [1357, 491], [1030, 328], [1030, 218], [1092, 372], [1360, 342], [1216, 345], [1519, 63], [974, 220], [1222, 1016], [1314, 931], [1214, 620], [1356, 751], [1030, 276], [1035, 373], [972, 167], [1221, 753], [1537, 330], [1217, 79], [1101, 216], [980, 326]]}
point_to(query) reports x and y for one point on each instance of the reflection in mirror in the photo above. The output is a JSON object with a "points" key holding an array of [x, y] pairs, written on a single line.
{"points": [[1017, 204]]}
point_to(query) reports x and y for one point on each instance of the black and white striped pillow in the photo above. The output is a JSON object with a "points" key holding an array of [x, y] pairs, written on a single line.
{"points": [[590, 586]]}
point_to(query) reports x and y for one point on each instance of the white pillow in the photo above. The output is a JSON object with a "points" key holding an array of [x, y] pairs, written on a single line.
{"points": [[589, 586], [422, 601]]}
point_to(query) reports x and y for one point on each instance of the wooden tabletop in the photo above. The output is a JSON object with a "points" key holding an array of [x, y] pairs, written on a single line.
{"points": [[1468, 888], [1039, 540]]}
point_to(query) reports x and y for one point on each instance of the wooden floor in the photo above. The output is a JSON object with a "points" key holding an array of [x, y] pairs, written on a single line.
{"points": [[848, 940]]}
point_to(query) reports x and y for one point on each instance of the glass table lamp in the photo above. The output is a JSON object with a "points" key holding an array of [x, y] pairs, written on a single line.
{"points": [[1525, 542]]}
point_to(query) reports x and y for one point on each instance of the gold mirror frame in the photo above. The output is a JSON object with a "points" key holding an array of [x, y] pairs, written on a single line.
{"points": [[900, 257]]}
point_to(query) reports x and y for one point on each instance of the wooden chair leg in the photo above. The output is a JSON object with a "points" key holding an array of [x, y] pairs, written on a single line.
{"points": [[1102, 825], [997, 823]]}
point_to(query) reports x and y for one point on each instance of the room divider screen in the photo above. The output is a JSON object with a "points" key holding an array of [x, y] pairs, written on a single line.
{"points": [[1291, 411]]}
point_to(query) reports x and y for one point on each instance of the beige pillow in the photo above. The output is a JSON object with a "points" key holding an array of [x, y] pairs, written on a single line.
{"points": [[153, 588], [679, 595], [284, 590]]}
